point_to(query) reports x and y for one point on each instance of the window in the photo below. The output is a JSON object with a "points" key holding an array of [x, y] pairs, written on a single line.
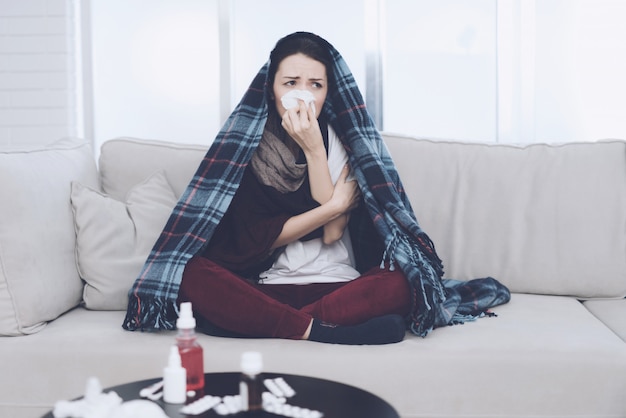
{"points": [[257, 25], [155, 69], [580, 62], [513, 71], [440, 68]]}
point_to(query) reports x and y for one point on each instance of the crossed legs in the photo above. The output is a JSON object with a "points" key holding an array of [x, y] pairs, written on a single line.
{"points": [[288, 311]]}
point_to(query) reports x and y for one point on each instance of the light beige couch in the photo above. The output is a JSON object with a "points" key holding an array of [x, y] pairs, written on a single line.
{"points": [[549, 221]]}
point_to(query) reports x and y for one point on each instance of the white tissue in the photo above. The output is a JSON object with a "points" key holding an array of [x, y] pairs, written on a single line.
{"points": [[139, 409], [96, 404], [290, 99]]}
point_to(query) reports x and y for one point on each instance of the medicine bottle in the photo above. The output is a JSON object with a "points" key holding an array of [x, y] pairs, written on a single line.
{"points": [[251, 383], [190, 350], [174, 379]]}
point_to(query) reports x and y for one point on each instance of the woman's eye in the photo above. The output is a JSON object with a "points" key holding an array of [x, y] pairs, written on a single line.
{"points": [[317, 85], [290, 83]]}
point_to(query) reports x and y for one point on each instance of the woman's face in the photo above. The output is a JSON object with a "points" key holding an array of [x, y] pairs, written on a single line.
{"points": [[300, 72]]}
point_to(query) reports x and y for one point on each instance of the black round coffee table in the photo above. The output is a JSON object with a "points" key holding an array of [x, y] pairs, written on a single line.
{"points": [[333, 399]]}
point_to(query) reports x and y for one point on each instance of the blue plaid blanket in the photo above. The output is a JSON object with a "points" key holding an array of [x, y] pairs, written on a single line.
{"points": [[152, 298]]}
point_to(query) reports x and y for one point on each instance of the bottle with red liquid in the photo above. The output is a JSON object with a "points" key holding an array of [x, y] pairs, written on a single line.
{"points": [[190, 350]]}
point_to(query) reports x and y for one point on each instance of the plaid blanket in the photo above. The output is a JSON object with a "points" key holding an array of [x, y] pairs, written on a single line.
{"points": [[470, 300], [152, 298]]}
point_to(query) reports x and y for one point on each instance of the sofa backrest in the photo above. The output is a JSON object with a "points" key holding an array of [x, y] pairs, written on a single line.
{"points": [[546, 219], [125, 162]]}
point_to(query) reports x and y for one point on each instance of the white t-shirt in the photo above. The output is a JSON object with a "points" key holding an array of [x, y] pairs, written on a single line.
{"points": [[305, 262]]}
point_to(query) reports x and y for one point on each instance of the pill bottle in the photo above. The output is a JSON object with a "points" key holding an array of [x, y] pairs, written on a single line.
{"points": [[190, 350], [251, 382]]}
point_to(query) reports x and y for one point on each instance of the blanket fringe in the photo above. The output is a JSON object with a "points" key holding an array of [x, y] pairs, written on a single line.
{"points": [[424, 271], [159, 313], [459, 319]]}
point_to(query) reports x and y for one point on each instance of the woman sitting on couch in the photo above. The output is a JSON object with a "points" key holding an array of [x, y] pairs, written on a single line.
{"points": [[296, 224]]}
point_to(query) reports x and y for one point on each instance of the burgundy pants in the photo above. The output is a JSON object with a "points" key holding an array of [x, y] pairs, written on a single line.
{"points": [[285, 311]]}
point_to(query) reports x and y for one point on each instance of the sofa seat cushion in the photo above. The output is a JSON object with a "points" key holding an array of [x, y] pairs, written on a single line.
{"points": [[38, 276], [610, 311], [543, 356], [543, 219]]}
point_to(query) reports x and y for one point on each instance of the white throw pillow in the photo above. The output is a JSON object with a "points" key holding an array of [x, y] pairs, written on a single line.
{"points": [[113, 238], [38, 276]]}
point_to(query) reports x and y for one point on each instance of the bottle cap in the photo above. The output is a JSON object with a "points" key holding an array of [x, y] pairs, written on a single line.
{"points": [[251, 362], [185, 318], [174, 359]]}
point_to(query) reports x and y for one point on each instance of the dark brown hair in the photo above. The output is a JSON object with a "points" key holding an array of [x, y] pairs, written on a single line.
{"points": [[304, 43]]}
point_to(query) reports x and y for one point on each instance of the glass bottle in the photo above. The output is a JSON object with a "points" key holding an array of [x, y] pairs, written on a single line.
{"points": [[190, 350]]}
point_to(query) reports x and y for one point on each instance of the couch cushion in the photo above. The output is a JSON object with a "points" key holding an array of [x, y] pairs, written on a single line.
{"points": [[543, 356], [38, 276], [114, 238], [611, 312], [545, 219], [125, 162]]}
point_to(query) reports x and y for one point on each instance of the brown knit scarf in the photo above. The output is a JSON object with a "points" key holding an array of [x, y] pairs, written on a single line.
{"points": [[274, 162]]}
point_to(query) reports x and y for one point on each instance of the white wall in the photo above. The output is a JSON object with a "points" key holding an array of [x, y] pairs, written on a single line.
{"points": [[38, 74]]}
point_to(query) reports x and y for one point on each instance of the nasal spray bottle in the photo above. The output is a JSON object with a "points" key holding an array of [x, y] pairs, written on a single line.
{"points": [[174, 379], [190, 350]]}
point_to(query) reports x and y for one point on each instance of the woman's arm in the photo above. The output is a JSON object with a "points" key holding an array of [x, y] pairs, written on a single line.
{"points": [[322, 190], [344, 198], [301, 124]]}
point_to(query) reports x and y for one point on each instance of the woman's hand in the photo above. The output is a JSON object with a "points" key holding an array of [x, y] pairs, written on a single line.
{"points": [[336, 200], [301, 124], [333, 215], [346, 193]]}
